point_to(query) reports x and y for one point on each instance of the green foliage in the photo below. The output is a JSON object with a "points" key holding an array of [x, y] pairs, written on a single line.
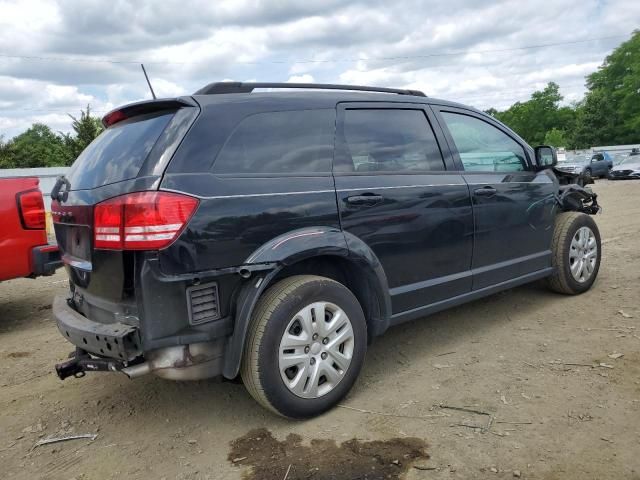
{"points": [[608, 115], [533, 119], [85, 129], [555, 137], [39, 146]]}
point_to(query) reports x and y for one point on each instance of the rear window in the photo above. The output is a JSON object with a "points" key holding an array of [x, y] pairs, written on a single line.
{"points": [[118, 153], [280, 142]]}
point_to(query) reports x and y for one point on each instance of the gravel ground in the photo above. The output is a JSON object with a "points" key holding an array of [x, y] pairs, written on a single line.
{"points": [[557, 399]]}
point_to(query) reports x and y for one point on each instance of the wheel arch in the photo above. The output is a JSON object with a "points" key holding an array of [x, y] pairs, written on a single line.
{"points": [[320, 251]]}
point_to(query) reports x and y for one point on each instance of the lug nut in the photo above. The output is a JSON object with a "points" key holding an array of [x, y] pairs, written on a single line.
{"points": [[306, 349], [324, 355], [312, 361], [325, 340], [315, 336]]}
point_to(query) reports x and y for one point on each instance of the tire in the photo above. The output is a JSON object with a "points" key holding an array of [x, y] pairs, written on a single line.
{"points": [[587, 176], [566, 253], [273, 324]]}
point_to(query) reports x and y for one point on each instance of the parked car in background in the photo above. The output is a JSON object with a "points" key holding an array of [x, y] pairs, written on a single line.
{"points": [[587, 166], [599, 165], [573, 163], [627, 169], [273, 235], [24, 249]]}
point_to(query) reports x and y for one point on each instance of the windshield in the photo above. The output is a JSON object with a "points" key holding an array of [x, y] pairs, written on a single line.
{"points": [[117, 153], [631, 160]]}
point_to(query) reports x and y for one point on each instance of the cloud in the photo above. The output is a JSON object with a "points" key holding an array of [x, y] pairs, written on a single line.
{"points": [[305, 78], [460, 49]]}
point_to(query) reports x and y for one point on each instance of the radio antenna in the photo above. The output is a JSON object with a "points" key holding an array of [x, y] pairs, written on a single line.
{"points": [[148, 82]]}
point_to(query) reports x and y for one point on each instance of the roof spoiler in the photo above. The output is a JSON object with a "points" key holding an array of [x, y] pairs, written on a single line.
{"points": [[246, 87], [146, 106]]}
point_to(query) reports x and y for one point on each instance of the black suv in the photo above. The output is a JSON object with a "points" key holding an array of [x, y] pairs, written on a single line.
{"points": [[273, 235]]}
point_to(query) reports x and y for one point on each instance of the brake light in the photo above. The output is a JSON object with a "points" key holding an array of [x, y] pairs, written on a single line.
{"points": [[113, 117], [141, 220], [32, 209]]}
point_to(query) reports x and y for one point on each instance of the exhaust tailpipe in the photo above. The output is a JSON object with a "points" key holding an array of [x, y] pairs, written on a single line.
{"points": [[138, 370]]}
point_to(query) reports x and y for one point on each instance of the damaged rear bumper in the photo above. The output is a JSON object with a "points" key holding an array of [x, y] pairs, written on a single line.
{"points": [[116, 347], [114, 340]]}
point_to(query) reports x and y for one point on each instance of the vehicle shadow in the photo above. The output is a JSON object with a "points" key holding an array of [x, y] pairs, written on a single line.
{"points": [[414, 342]]}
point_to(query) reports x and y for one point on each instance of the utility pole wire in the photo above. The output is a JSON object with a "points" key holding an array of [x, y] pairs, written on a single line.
{"points": [[294, 62]]}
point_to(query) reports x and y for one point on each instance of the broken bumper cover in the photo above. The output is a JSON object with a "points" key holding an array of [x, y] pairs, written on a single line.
{"points": [[114, 340], [116, 347]]}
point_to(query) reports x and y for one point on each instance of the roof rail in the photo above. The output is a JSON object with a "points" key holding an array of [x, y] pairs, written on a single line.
{"points": [[246, 87]]}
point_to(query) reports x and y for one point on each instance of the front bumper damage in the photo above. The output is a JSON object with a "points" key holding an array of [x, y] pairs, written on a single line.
{"points": [[576, 198]]}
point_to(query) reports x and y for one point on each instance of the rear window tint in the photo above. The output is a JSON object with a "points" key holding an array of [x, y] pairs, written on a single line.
{"points": [[280, 142], [117, 153]]}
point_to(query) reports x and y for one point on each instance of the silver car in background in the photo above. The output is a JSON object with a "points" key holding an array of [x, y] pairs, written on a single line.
{"points": [[629, 168]]}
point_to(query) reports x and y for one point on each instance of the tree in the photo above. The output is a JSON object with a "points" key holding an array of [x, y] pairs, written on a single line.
{"points": [[537, 116], [36, 147], [596, 121], [555, 137], [85, 130], [609, 114], [6, 158], [39, 146], [614, 91]]}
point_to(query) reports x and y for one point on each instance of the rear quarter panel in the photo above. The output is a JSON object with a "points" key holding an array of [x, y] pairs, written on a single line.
{"points": [[16, 242]]}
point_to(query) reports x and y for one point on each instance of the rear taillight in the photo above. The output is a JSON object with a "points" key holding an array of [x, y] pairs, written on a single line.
{"points": [[32, 209], [141, 221]]}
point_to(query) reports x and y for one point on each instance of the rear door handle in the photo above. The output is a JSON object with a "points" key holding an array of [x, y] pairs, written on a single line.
{"points": [[366, 199], [485, 191]]}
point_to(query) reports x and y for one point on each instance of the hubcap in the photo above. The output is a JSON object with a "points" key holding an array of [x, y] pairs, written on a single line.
{"points": [[583, 254], [316, 350]]}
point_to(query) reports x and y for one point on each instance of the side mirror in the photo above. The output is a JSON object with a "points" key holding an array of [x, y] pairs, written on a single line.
{"points": [[546, 156]]}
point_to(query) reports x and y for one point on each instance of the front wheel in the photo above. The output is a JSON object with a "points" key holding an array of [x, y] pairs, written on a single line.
{"points": [[576, 253], [306, 345], [587, 176]]}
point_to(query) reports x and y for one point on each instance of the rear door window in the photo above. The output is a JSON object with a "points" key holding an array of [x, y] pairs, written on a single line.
{"points": [[483, 147], [290, 142], [118, 153], [389, 140]]}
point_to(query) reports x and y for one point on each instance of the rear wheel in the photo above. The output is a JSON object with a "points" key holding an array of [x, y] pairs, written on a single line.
{"points": [[577, 251], [306, 344]]}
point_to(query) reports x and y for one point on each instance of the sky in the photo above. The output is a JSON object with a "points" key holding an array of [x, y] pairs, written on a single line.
{"points": [[58, 56]]}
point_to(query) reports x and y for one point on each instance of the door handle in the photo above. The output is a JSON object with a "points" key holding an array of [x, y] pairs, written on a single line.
{"points": [[366, 199], [485, 191]]}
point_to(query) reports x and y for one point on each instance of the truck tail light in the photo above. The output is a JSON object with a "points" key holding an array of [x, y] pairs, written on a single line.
{"points": [[141, 220], [32, 209]]}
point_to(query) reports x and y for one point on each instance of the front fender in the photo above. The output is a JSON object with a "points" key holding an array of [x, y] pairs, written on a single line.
{"points": [[291, 248]]}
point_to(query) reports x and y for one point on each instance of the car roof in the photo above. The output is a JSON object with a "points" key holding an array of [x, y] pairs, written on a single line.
{"points": [[319, 99]]}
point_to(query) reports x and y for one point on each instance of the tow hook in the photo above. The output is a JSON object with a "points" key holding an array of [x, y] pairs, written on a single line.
{"points": [[80, 362]]}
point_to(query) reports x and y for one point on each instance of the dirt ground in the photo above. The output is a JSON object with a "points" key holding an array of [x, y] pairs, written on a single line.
{"points": [[543, 390]]}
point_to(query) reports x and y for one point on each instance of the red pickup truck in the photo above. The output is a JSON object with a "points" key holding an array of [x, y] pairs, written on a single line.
{"points": [[24, 249]]}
